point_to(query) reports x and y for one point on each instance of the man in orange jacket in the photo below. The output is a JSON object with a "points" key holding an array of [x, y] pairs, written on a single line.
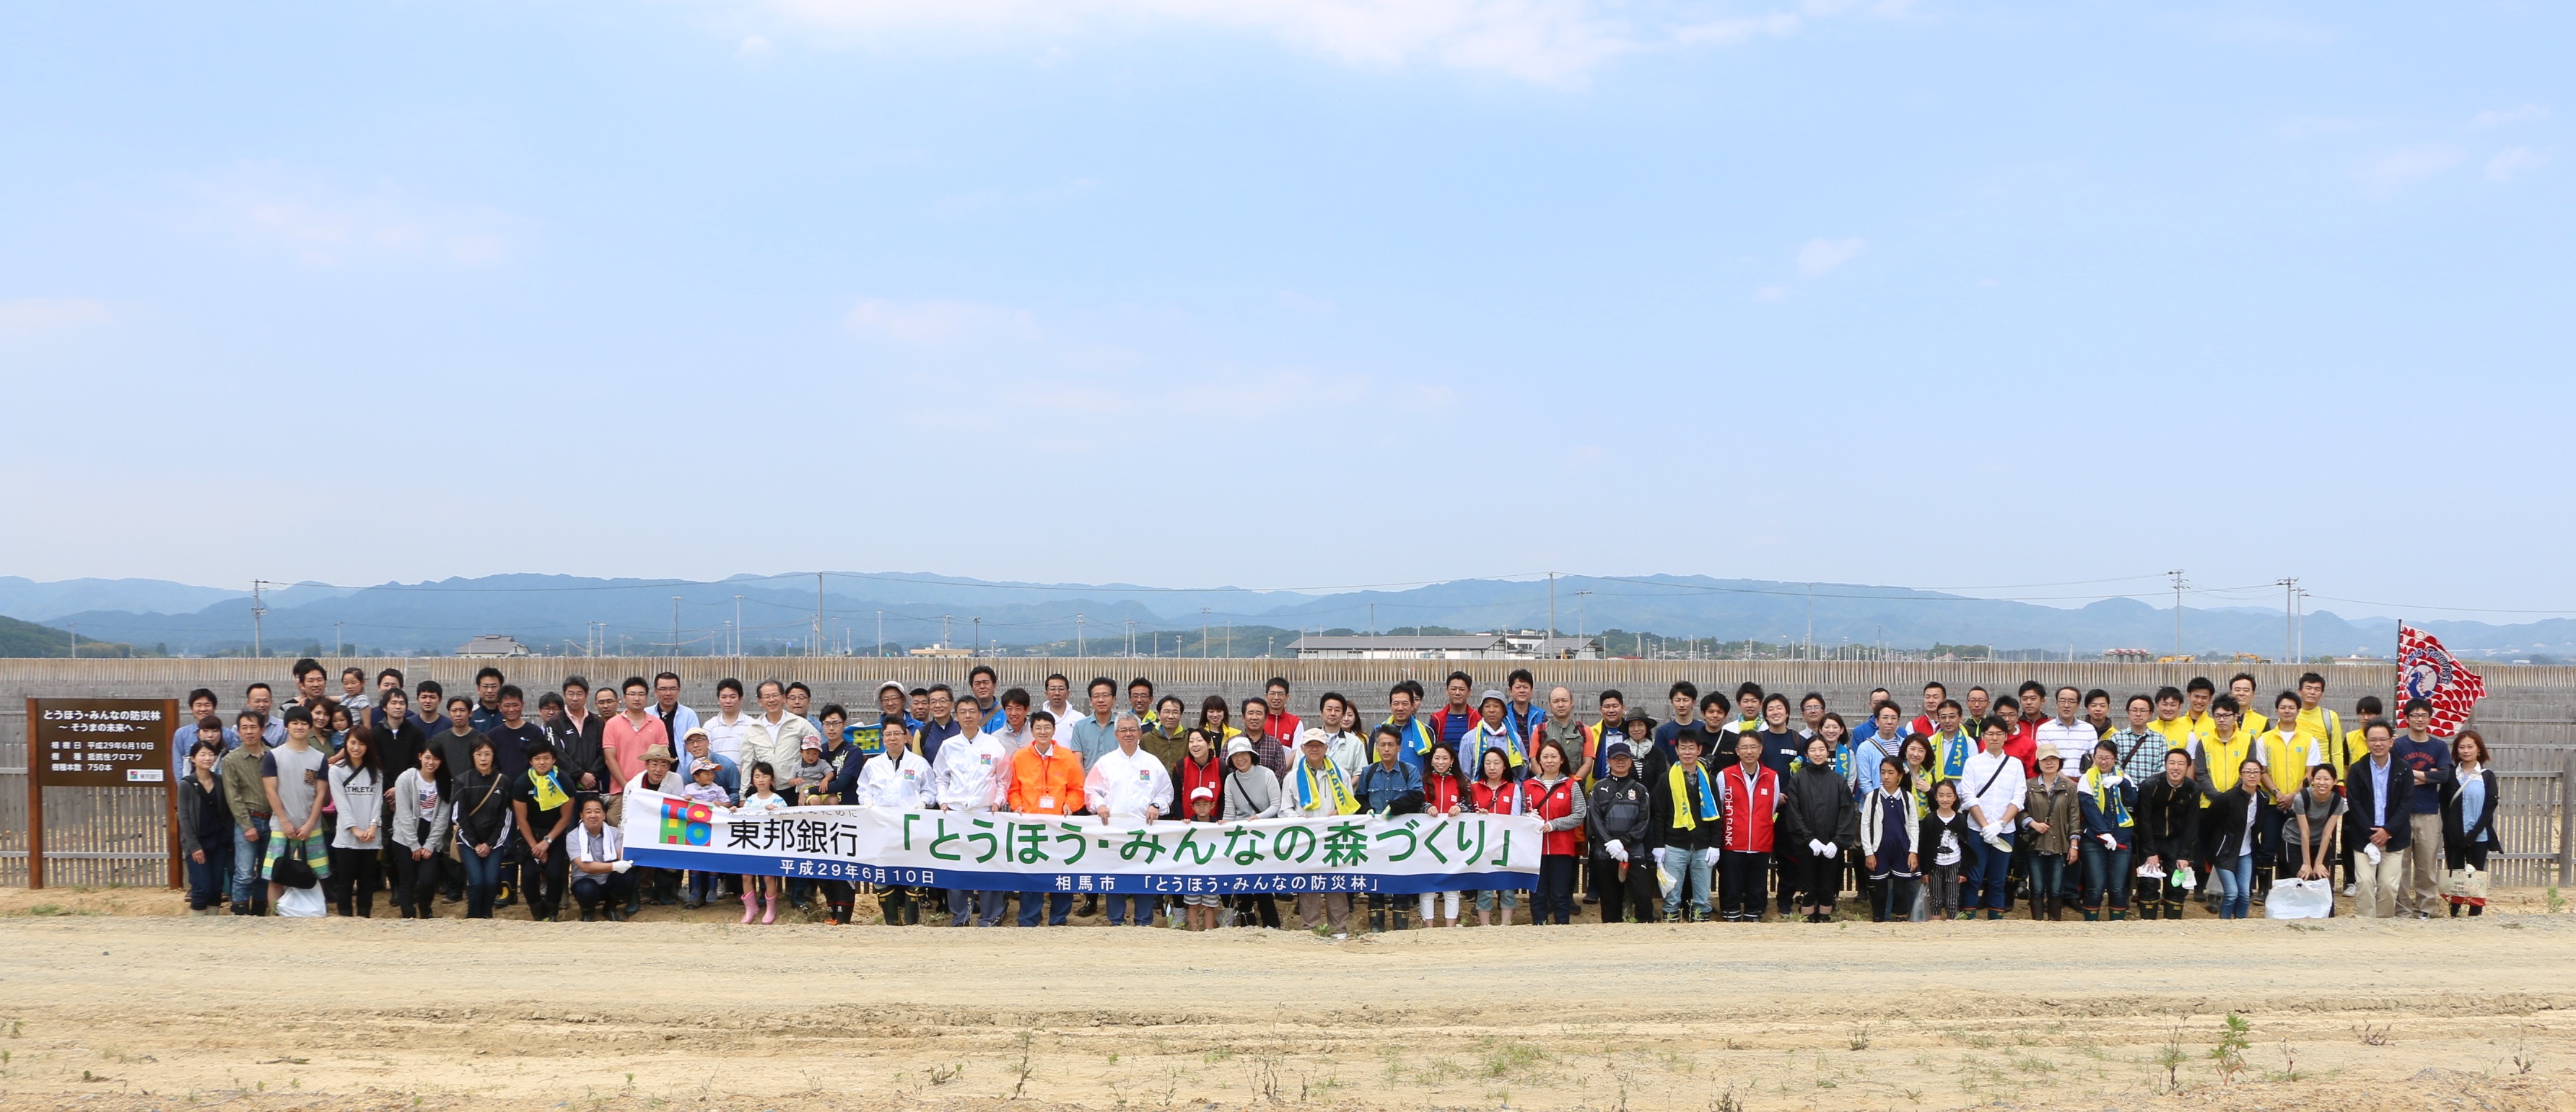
{"points": [[1046, 779]]}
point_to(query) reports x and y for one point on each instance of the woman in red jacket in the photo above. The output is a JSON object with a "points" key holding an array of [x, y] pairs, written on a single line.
{"points": [[1496, 793], [1557, 800], [1444, 792], [1199, 768]]}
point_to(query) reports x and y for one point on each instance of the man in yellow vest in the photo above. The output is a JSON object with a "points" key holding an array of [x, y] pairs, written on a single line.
{"points": [[2218, 757]]}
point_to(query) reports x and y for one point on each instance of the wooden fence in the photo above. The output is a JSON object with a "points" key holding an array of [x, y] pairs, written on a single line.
{"points": [[97, 836]]}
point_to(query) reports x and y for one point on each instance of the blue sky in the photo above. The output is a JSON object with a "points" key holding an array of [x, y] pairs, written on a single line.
{"points": [[1294, 292]]}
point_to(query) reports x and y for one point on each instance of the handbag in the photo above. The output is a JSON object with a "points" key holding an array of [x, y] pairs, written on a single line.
{"points": [[293, 871], [2467, 882]]}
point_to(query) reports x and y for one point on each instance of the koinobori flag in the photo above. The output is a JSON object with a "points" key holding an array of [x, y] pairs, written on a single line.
{"points": [[2426, 670]]}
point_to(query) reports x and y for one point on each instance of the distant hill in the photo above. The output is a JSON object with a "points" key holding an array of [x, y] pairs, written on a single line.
{"points": [[556, 614], [19, 638]]}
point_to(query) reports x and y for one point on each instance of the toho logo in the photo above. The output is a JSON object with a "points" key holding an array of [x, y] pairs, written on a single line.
{"points": [[685, 823]]}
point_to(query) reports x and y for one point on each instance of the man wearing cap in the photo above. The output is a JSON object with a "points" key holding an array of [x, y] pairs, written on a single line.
{"points": [[698, 754], [1128, 785], [1620, 822], [1314, 788], [1046, 779], [1492, 732], [656, 777]]}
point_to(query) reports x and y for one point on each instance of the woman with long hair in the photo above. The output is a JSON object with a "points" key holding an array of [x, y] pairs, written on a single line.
{"points": [[2237, 818], [1213, 718], [1559, 803], [419, 835], [358, 844], [1444, 792], [205, 821], [2468, 815], [1496, 793]]}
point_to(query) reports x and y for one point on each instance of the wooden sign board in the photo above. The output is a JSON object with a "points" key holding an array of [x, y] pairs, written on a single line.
{"points": [[98, 743]]}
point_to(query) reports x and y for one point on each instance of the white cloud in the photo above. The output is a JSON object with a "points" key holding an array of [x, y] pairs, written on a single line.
{"points": [[2409, 163], [1549, 41], [28, 315], [753, 48], [937, 323], [2498, 117], [1819, 256], [324, 224], [2511, 162]]}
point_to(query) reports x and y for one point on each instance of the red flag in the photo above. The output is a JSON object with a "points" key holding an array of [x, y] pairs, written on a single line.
{"points": [[2426, 670]]}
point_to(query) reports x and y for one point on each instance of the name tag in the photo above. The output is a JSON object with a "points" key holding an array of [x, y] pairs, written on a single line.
{"points": [[1046, 803], [1144, 776]]}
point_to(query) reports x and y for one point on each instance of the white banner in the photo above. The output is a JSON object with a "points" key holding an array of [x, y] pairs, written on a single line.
{"points": [[1003, 851]]}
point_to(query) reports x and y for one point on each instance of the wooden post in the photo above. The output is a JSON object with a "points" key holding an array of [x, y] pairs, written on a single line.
{"points": [[2567, 822], [170, 800], [35, 804]]}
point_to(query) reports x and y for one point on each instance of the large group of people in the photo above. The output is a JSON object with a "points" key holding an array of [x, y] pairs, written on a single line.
{"points": [[1739, 806]]}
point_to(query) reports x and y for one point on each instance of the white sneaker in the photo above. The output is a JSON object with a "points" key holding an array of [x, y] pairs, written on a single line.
{"points": [[1339, 936], [2349, 890]]}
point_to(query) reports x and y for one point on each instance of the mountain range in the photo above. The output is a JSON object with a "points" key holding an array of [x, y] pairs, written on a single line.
{"points": [[560, 613]]}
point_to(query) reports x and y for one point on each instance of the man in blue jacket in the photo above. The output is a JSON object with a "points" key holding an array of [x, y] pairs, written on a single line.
{"points": [[2428, 763]]}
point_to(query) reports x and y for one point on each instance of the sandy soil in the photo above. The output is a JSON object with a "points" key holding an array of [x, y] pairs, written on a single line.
{"points": [[105, 1007]]}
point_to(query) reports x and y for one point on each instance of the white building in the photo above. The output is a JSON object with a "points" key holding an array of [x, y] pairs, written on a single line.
{"points": [[492, 646], [1471, 646]]}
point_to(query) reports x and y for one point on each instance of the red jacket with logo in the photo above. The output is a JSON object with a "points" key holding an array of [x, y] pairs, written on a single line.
{"points": [[1752, 805]]}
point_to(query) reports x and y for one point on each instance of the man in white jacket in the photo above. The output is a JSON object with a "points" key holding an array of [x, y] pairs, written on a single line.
{"points": [[774, 735], [968, 777], [1128, 785], [1992, 788]]}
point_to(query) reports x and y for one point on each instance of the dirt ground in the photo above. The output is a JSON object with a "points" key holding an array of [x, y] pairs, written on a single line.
{"points": [[108, 1002]]}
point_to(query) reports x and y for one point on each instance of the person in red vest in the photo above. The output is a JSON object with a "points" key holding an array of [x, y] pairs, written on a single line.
{"points": [[1752, 800]]}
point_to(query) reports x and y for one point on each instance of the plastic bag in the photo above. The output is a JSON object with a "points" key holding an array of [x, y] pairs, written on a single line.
{"points": [[302, 903], [2300, 899]]}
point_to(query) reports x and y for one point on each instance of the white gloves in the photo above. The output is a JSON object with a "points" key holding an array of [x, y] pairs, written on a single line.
{"points": [[1616, 852], [2108, 842], [1816, 847], [1831, 850], [621, 866]]}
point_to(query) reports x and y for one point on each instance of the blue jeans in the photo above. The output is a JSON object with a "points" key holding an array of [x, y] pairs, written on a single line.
{"points": [[209, 881], [1143, 906], [2047, 874], [962, 907], [247, 887], [1990, 884], [2106, 875], [1059, 906], [482, 879], [2236, 881], [1690, 869]]}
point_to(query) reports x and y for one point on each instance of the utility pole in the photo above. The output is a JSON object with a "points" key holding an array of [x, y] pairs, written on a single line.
{"points": [[945, 636], [1372, 620], [258, 609], [816, 649], [335, 638], [2300, 641], [2177, 578], [1580, 600], [2289, 621], [1203, 626], [977, 649], [1811, 619], [1077, 634], [76, 640], [1131, 637], [675, 628], [1229, 638], [1551, 606], [880, 633], [737, 625]]}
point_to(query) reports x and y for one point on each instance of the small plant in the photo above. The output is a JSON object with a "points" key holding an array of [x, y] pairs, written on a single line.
{"points": [[2522, 1057], [2553, 901], [941, 1075], [1859, 1037], [2289, 1060], [2171, 1057], [1217, 1055], [1726, 1102], [1265, 1078], [2229, 1055], [1028, 1045], [2371, 1034]]}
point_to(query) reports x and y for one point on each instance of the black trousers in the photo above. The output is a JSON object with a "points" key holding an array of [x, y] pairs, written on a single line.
{"points": [[592, 890], [1819, 878], [415, 883], [542, 882], [354, 880], [1740, 877], [1636, 897]]}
